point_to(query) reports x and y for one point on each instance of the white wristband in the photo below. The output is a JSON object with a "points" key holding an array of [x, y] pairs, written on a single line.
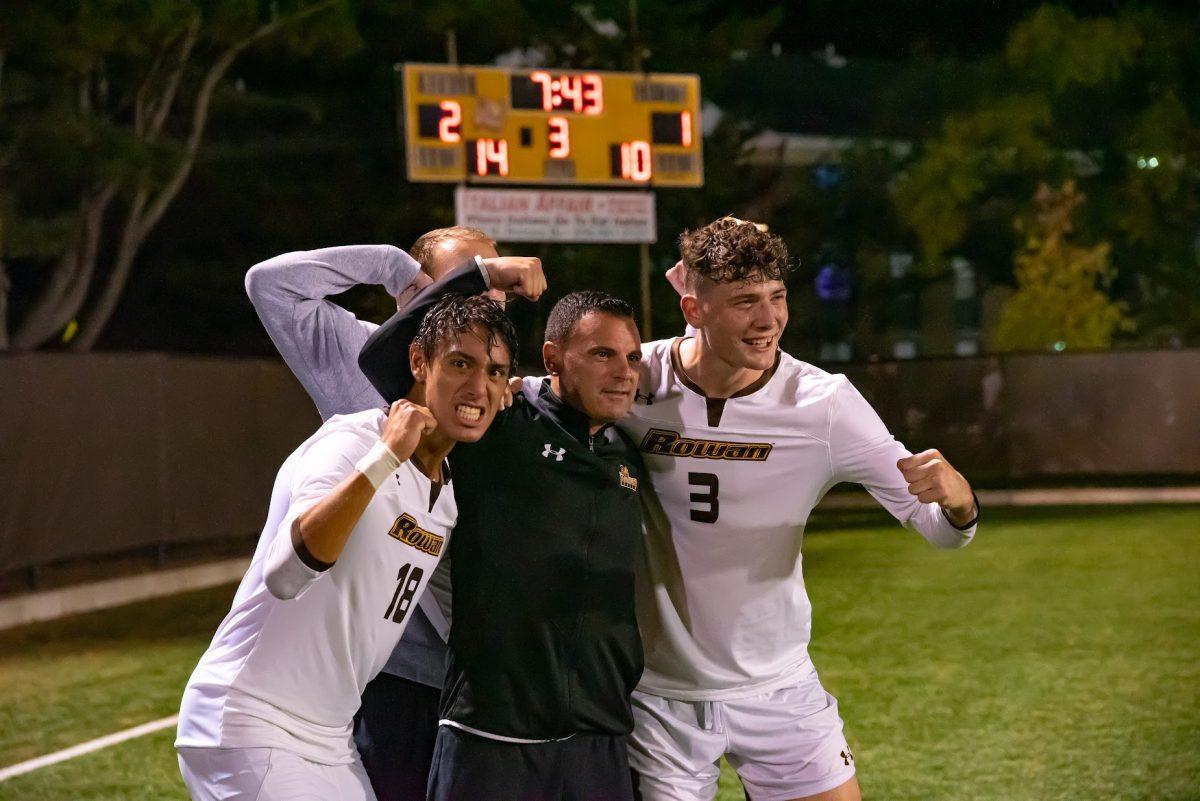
{"points": [[378, 464], [487, 279]]}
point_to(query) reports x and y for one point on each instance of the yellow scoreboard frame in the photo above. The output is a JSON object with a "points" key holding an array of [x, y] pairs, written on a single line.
{"points": [[491, 125]]}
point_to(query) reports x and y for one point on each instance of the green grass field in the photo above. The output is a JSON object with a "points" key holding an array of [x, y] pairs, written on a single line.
{"points": [[1057, 657]]}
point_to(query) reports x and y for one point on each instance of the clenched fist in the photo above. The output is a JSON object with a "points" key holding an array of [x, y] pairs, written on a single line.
{"points": [[406, 422], [931, 478], [520, 275]]}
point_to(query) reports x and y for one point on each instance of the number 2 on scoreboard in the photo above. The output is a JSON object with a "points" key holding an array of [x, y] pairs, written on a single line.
{"points": [[450, 124]]}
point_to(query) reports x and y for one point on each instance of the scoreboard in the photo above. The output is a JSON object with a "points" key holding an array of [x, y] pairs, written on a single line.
{"points": [[492, 125]]}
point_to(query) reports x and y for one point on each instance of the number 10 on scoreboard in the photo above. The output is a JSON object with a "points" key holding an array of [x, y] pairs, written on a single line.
{"points": [[492, 125]]}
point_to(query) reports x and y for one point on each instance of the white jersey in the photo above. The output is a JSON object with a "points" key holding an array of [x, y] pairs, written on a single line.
{"points": [[722, 605], [289, 673]]}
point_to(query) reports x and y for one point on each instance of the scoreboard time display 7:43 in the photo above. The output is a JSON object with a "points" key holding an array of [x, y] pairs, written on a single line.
{"points": [[491, 125]]}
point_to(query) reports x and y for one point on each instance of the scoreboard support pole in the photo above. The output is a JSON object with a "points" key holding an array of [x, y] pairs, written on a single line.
{"points": [[644, 284]]}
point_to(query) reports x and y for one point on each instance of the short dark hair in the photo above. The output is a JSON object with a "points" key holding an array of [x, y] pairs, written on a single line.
{"points": [[729, 250], [456, 314], [567, 313]]}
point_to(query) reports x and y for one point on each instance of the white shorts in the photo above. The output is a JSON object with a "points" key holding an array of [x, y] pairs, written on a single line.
{"points": [[269, 774], [784, 744]]}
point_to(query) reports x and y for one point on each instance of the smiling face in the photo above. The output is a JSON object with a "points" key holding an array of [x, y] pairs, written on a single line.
{"points": [[596, 365], [740, 320], [735, 293], [464, 382]]}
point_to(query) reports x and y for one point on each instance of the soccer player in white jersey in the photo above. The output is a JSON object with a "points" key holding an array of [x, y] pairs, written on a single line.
{"points": [[741, 441], [360, 515]]}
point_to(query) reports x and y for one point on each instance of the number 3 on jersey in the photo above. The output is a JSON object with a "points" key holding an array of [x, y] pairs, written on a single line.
{"points": [[710, 507], [407, 582]]}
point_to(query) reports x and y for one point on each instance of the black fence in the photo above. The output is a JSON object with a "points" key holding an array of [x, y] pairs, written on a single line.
{"points": [[1025, 419], [108, 453], [104, 454]]}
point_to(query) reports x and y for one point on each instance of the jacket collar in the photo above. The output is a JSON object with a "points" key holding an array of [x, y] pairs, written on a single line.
{"points": [[570, 419]]}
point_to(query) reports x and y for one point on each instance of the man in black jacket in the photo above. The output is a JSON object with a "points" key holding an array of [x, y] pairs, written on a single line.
{"points": [[544, 642]]}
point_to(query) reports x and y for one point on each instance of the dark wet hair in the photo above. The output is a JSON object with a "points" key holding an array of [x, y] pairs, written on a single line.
{"points": [[730, 250], [567, 313], [457, 314]]}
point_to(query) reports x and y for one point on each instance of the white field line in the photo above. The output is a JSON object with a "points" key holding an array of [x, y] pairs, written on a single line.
{"points": [[86, 748]]}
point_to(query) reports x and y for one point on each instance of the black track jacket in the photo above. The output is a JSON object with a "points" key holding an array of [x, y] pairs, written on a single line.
{"points": [[544, 643]]}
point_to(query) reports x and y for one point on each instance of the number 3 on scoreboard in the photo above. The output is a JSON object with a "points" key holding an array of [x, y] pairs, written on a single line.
{"points": [[708, 482], [560, 138]]}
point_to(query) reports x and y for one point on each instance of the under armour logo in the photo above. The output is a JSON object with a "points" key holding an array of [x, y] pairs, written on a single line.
{"points": [[847, 755], [558, 454], [648, 397]]}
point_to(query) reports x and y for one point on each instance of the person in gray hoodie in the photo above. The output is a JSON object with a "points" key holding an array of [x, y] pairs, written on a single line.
{"points": [[320, 341]]}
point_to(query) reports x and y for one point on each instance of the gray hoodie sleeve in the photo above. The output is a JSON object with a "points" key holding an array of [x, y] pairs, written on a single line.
{"points": [[318, 339]]}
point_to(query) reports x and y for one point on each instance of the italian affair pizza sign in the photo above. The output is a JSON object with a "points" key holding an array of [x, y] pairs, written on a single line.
{"points": [[532, 215]]}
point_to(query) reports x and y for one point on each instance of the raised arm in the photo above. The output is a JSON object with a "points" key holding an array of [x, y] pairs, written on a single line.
{"points": [[333, 484], [384, 358], [922, 492], [318, 339]]}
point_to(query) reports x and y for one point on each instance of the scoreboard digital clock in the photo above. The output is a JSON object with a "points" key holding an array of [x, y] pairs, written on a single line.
{"points": [[491, 125]]}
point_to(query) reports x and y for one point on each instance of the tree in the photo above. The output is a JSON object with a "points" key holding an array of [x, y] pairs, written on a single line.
{"points": [[1108, 101], [107, 104], [1060, 301]]}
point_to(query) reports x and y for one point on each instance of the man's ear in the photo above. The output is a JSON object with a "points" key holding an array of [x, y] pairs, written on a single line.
{"points": [[552, 358], [417, 363], [690, 307]]}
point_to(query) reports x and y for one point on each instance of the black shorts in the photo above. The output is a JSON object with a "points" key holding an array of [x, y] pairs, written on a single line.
{"points": [[586, 767], [395, 731]]}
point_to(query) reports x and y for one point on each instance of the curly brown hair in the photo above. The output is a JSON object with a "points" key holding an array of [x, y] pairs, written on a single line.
{"points": [[730, 250]]}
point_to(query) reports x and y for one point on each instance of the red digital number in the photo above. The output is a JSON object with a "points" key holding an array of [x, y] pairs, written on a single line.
{"points": [[593, 94], [491, 152], [685, 128], [635, 160], [547, 93], [570, 87], [560, 138], [450, 125]]}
